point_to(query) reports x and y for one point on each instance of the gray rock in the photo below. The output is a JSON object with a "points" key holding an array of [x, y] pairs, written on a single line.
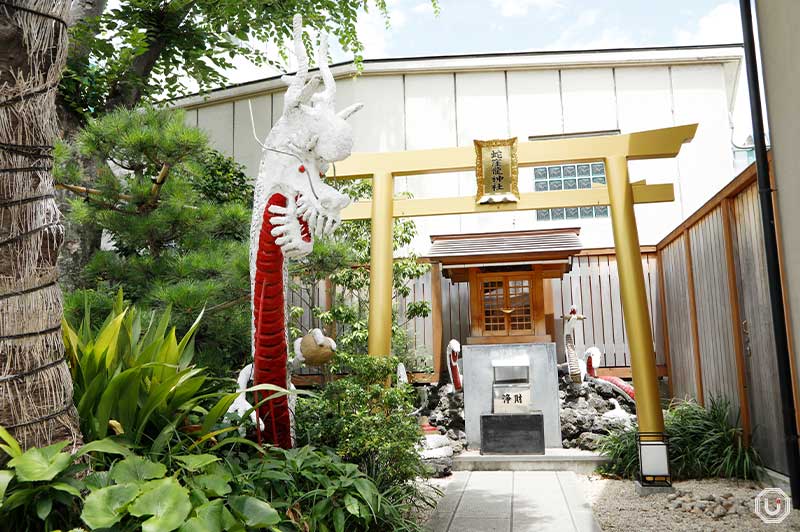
{"points": [[599, 404], [436, 441], [436, 453], [719, 511], [440, 467], [589, 441]]}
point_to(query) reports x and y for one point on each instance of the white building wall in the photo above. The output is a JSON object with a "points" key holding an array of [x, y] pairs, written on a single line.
{"points": [[434, 110]]}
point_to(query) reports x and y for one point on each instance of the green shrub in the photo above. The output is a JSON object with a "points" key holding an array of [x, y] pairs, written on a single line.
{"points": [[703, 442], [300, 489], [134, 378], [45, 488], [365, 422], [315, 490], [131, 378], [182, 244]]}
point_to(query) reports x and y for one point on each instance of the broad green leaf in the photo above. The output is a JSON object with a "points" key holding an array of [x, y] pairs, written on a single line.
{"points": [[66, 488], [111, 397], [212, 485], [229, 521], [106, 446], [254, 512], [218, 411], [105, 347], [43, 507], [368, 492], [5, 478], [97, 480], [208, 518], [190, 333], [196, 462], [351, 504], [166, 501], [105, 507], [12, 448], [338, 520], [41, 463], [136, 469]]}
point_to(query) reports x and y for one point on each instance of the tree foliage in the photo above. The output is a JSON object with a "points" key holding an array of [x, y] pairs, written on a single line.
{"points": [[344, 258], [176, 226], [144, 48]]}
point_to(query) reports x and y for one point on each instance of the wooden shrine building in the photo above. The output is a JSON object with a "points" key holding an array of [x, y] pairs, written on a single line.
{"points": [[506, 273]]}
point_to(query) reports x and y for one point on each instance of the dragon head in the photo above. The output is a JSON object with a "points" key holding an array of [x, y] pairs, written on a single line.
{"points": [[306, 139]]}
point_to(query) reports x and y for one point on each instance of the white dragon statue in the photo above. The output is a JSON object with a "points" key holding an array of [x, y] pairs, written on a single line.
{"points": [[291, 206]]}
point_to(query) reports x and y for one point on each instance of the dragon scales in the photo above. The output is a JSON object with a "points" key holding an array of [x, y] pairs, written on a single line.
{"points": [[291, 206]]}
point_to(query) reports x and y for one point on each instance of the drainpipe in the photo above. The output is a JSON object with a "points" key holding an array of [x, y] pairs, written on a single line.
{"points": [[771, 251]]}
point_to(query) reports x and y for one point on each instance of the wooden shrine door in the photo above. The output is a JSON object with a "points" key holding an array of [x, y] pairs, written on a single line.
{"points": [[507, 307]]}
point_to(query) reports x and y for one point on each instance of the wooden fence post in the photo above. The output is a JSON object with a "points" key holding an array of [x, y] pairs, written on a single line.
{"points": [[693, 318], [736, 319], [662, 297]]}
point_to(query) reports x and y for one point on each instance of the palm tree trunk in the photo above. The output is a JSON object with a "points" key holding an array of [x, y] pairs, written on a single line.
{"points": [[35, 384]]}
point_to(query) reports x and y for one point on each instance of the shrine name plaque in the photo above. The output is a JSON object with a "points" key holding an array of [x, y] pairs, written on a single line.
{"points": [[512, 433]]}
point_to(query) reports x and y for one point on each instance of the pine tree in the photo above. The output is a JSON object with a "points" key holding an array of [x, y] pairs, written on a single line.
{"points": [[175, 217]]}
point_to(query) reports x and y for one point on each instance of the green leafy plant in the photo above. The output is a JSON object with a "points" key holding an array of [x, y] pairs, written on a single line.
{"points": [[195, 495], [40, 488], [316, 490], [134, 378], [366, 422], [44, 488], [131, 378], [703, 442]]}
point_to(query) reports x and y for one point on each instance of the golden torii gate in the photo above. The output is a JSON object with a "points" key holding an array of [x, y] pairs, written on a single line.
{"points": [[620, 194]]}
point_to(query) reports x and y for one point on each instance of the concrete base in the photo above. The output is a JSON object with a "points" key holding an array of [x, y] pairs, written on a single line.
{"points": [[582, 462], [644, 491], [773, 479], [478, 377]]}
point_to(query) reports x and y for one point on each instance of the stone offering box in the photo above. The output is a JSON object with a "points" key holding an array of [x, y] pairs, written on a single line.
{"points": [[527, 371]]}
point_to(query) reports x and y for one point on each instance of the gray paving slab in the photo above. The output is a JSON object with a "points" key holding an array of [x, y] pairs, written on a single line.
{"points": [[480, 524], [513, 501]]}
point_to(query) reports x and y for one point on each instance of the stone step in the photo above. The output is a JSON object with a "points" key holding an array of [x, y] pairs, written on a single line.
{"points": [[576, 460]]}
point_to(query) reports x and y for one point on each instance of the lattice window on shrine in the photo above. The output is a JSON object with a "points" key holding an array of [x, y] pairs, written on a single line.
{"points": [[570, 177]]}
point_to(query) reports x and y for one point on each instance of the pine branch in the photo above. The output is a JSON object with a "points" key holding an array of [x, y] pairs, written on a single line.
{"points": [[228, 304], [158, 182]]}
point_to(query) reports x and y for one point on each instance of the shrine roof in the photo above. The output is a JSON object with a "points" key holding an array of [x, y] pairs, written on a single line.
{"points": [[504, 247]]}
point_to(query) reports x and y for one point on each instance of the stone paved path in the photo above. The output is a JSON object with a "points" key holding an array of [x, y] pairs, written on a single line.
{"points": [[513, 501]]}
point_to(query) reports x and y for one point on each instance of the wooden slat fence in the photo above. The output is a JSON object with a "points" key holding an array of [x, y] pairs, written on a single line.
{"points": [[717, 318], [592, 286]]}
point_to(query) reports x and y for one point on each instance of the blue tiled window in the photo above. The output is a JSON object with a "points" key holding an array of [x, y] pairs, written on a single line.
{"points": [[570, 177]]}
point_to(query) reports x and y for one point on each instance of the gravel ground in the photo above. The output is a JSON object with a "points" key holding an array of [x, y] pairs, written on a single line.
{"points": [[617, 507]]}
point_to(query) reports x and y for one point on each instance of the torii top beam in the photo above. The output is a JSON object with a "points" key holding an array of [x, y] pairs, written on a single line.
{"points": [[653, 144]]}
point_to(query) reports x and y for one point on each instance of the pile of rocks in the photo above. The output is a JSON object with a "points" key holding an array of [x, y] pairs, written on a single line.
{"points": [[582, 409], [716, 506], [444, 409]]}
